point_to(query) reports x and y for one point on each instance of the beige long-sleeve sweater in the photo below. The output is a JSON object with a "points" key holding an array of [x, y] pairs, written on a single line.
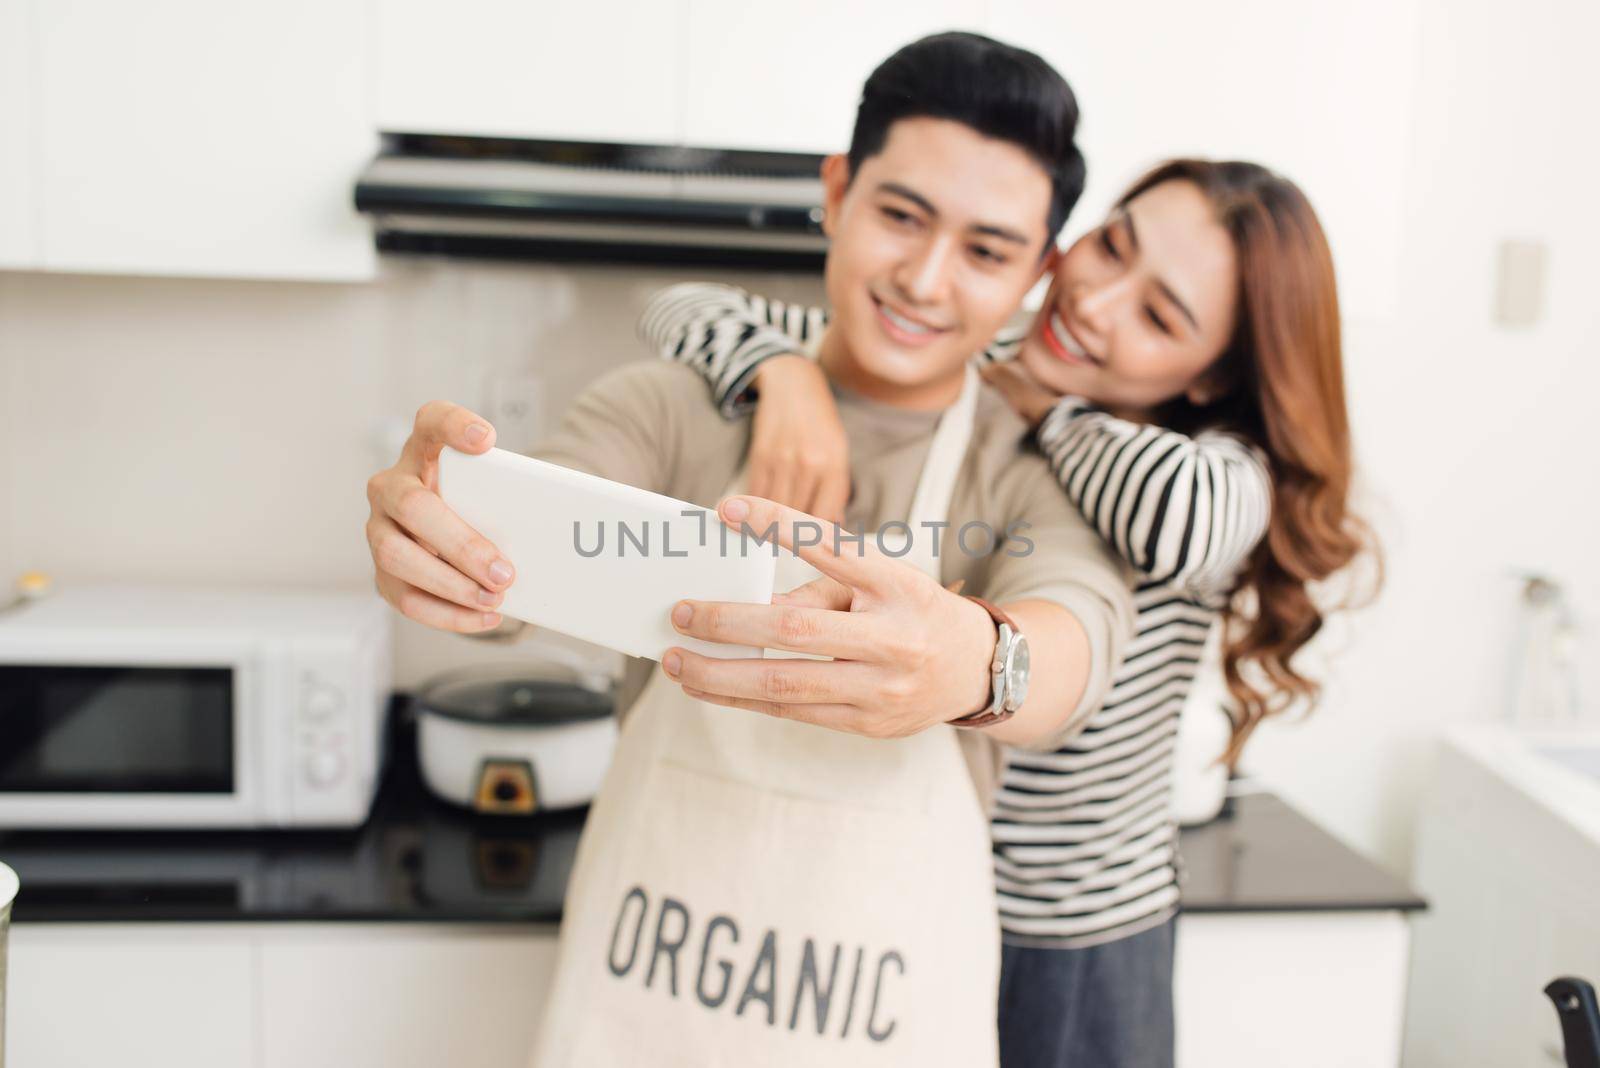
{"points": [[654, 425]]}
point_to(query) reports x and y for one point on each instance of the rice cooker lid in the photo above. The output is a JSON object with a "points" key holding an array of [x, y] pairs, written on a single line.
{"points": [[514, 700]]}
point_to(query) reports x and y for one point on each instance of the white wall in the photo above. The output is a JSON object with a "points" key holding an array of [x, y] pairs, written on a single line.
{"points": [[222, 431], [1475, 440]]}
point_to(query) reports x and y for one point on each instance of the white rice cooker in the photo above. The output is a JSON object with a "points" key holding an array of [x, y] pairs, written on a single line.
{"points": [[517, 739]]}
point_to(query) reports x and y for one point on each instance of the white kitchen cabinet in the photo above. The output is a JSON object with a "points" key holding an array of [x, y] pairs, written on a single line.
{"points": [[407, 997], [601, 70], [185, 137], [1329, 103], [1252, 989], [19, 246], [1264, 990], [168, 995], [789, 75], [241, 995], [1508, 852]]}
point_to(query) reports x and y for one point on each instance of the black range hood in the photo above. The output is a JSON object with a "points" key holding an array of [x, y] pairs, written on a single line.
{"points": [[500, 197]]}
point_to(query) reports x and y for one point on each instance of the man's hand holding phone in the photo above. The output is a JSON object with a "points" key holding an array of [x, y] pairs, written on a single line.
{"points": [[431, 566], [901, 652]]}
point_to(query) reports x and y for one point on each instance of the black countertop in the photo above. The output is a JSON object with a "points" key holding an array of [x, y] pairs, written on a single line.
{"points": [[418, 859], [1263, 855]]}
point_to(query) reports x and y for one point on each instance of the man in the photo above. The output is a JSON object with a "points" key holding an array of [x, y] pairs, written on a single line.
{"points": [[748, 844]]}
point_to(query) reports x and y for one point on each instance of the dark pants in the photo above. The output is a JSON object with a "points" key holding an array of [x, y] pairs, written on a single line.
{"points": [[1105, 1006]]}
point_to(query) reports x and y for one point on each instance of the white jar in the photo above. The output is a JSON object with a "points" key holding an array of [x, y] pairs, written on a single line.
{"points": [[8, 894]]}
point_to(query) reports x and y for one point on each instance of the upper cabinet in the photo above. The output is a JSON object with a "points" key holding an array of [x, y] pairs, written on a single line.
{"points": [[789, 75], [595, 70], [1176, 78], [187, 137], [192, 137], [19, 246]]}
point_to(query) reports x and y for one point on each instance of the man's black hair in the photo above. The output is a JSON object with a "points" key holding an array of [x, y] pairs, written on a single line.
{"points": [[999, 90]]}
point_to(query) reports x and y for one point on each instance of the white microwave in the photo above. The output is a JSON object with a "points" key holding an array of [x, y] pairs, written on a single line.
{"points": [[148, 706]]}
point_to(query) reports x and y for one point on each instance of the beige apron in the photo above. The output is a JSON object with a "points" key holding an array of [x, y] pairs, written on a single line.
{"points": [[753, 891]]}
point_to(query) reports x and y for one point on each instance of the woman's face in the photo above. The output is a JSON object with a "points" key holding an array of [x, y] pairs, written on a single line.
{"points": [[1140, 308]]}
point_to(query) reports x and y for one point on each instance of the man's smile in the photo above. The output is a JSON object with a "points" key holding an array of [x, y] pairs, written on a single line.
{"points": [[904, 328]]}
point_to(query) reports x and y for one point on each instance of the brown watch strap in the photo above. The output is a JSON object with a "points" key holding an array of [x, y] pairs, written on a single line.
{"points": [[988, 716]]}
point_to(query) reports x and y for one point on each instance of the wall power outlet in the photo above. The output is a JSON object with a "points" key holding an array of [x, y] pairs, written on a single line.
{"points": [[514, 403]]}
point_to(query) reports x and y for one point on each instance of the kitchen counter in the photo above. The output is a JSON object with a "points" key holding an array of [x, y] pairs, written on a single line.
{"points": [[418, 859], [1263, 855]]}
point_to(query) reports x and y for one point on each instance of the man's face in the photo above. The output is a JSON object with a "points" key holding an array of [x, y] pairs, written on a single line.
{"points": [[934, 244]]}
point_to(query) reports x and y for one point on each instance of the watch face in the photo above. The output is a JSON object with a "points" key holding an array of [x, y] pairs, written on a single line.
{"points": [[1017, 673]]}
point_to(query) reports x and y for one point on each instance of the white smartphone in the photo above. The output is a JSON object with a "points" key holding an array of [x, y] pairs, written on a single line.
{"points": [[600, 560]]}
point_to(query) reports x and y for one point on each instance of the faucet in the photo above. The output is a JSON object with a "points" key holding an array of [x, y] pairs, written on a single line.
{"points": [[1546, 693]]}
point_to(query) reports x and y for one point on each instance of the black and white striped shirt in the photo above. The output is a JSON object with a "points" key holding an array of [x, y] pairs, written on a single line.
{"points": [[1085, 837]]}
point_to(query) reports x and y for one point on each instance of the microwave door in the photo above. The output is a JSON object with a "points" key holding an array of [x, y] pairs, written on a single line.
{"points": [[79, 729], [129, 743]]}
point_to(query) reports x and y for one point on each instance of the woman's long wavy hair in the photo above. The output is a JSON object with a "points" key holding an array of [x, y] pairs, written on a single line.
{"points": [[1283, 388]]}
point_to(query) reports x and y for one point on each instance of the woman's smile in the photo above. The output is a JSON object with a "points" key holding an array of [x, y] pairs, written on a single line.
{"points": [[1064, 344]]}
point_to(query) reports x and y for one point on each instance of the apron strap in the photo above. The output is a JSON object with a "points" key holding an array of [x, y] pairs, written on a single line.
{"points": [[937, 483]]}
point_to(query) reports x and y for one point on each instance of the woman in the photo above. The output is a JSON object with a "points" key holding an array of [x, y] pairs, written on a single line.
{"points": [[1185, 380]]}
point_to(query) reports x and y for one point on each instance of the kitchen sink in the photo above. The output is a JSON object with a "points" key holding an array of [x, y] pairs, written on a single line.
{"points": [[1585, 760], [1557, 770]]}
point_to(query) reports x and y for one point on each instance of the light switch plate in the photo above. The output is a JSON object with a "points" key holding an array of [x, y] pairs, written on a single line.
{"points": [[1519, 288]]}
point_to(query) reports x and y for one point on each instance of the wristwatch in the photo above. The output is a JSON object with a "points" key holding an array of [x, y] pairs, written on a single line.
{"points": [[1008, 671]]}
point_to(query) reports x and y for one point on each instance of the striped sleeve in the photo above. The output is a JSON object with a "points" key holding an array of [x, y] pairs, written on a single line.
{"points": [[1006, 344], [1186, 511], [725, 333]]}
